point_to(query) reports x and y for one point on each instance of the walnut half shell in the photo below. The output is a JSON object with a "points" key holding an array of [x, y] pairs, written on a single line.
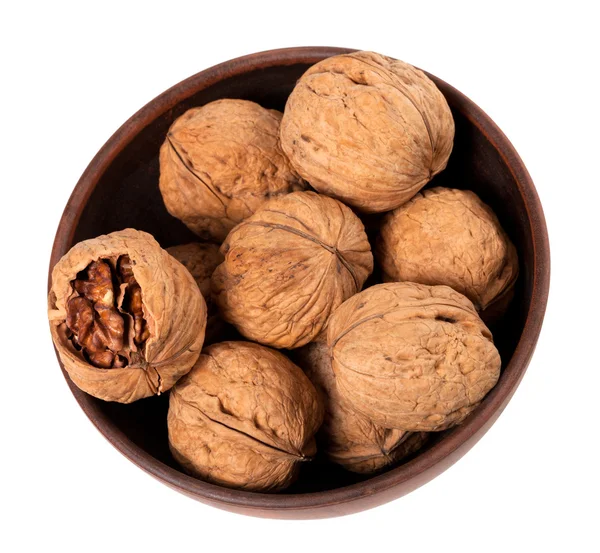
{"points": [[126, 318], [411, 356], [244, 417]]}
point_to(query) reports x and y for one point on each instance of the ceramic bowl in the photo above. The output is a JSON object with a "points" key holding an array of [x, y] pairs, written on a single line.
{"points": [[119, 189]]}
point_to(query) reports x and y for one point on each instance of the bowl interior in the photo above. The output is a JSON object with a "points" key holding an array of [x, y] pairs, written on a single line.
{"points": [[127, 195]]}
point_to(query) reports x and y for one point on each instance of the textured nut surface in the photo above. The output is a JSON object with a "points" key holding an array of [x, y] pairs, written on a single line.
{"points": [[245, 417], [348, 437], [288, 266], [201, 260], [220, 162], [447, 236], [126, 318], [412, 356], [367, 129]]}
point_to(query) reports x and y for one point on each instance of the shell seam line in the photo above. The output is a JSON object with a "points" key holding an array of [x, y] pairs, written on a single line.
{"points": [[330, 249], [194, 174], [380, 316], [286, 453]]}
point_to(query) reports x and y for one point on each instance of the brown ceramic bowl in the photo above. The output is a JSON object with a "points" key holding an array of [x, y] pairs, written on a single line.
{"points": [[120, 189]]}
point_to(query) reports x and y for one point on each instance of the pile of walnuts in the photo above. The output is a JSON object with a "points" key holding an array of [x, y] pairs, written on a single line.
{"points": [[317, 363]]}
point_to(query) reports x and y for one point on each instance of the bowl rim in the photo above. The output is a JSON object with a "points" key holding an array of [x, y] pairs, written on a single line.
{"points": [[397, 481]]}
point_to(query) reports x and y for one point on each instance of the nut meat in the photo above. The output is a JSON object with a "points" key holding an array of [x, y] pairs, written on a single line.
{"points": [[288, 266], [244, 417], [96, 317], [447, 236], [348, 437], [367, 129], [126, 318], [412, 356], [220, 162]]}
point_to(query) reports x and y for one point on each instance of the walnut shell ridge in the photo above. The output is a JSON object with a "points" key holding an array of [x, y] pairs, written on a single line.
{"points": [[245, 417], [288, 266], [346, 436], [412, 356], [173, 307], [367, 129], [220, 162], [201, 260], [450, 237]]}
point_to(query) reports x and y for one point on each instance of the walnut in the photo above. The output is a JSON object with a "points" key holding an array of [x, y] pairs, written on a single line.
{"points": [[348, 437], [201, 260], [447, 236], [245, 417], [412, 356], [220, 162], [288, 266], [367, 129], [126, 318]]}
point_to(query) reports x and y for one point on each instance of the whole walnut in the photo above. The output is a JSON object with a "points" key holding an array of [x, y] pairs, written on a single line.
{"points": [[126, 318], [220, 162], [348, 437], [201, 260], [367, 129], [447, 236], [288, 266], [412, 356], [245, 417]]}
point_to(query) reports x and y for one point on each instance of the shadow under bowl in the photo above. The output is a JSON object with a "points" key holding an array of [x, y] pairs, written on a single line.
{"points": [[119, 189]]}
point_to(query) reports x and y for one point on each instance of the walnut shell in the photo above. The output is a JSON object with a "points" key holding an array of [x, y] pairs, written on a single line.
{"points": [[173, 317], [245, 417], [201, 260], [367, 129], [412, 356], [348, 437], [220, 162], [288, 266], [447, 236]]}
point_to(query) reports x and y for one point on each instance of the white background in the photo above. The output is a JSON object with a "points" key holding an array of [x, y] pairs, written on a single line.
{"points": [[73, 73]]}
